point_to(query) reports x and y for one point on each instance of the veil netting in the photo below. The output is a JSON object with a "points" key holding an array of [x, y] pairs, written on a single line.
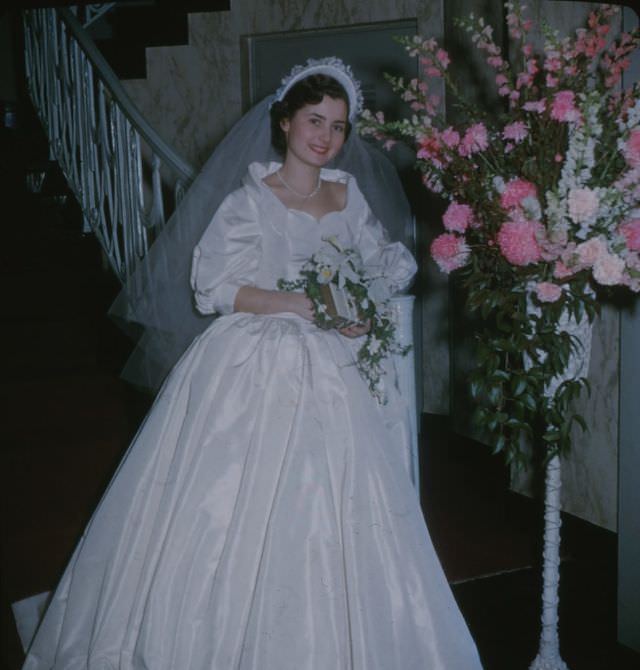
{"points": [[155, 305]]}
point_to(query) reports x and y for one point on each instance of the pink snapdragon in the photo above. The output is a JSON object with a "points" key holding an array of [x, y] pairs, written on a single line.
{"points": [[537, 106], [518, 242], [631, 231], [632, 148], [515, 191], [458, 217], [430, 150], [443, 58], [475, 139], [450, 137], [563, 107], [449, 251], [548, 291]]}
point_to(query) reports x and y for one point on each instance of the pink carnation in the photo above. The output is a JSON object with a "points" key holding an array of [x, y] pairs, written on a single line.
{"points": [[474, 140], [518, 243], [458, 217], [631, 231], [548, 291], [449, 251], [515, 191], [632, 148], [563, 107]]}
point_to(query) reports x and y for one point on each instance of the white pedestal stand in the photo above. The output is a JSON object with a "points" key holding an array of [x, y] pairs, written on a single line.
{"points": [[548, 657]]}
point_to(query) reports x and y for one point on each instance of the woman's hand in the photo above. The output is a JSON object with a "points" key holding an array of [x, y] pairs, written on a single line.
{"points": [[356, 330], [301, 305]]}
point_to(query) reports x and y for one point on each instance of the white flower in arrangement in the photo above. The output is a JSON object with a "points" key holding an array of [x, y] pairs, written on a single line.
{"points": [[325, 274], [608, 269], [583, 204], [374, 345]]}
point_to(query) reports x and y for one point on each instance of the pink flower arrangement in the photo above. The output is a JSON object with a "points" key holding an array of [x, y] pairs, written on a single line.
{"points": [[542, 185], [458, 217], [449, 251], [518, 242], [542, 202]]}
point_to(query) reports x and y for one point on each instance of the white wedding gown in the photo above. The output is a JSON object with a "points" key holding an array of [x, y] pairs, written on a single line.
{"points": [[263, 517]]}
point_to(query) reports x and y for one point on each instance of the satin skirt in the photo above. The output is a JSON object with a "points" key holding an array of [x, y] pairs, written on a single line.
{"points": [[262, 519]]}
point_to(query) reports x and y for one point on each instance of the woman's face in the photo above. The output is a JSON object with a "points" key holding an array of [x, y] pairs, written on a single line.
{"points": [[315, 133]]}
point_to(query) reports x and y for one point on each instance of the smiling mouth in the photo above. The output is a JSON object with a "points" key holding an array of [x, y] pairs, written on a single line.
{"points": [[319, 150]]}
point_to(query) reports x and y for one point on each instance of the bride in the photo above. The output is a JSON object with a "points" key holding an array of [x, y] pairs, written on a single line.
{"points": [[263, 517]]}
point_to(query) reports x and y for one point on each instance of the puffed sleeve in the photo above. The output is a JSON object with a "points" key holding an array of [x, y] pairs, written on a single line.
{"points": [[392, 260], [228, 254]]}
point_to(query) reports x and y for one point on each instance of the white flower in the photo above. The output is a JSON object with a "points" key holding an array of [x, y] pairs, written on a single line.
{"points": [[325, 274], [608, 269], [374, 346], [531, 208], [583, 204], [379, 290]]}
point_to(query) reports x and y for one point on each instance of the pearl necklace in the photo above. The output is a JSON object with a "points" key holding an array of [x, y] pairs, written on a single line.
{"points": [[300, 195]]}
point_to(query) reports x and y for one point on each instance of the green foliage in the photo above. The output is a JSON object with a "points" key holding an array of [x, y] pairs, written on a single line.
{"points": [[519, 353]]}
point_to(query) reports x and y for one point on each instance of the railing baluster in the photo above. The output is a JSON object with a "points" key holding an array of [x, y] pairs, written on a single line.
{"points": [[99, 138]]}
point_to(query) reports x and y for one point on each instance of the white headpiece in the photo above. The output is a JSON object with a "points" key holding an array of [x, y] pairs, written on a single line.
{"points": [[333, 67]]}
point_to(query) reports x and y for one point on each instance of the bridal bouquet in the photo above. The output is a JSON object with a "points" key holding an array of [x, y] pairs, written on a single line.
{"points": [[543, 202], [344, 294]]}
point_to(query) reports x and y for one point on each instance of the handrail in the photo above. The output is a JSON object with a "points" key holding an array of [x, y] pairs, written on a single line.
{"points": [[117, 166]]}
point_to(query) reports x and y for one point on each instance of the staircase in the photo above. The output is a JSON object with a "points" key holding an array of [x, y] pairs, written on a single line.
{"points": [[67, 416], [124, 33]]}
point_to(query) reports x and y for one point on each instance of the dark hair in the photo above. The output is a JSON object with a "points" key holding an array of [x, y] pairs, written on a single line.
{"points": [[308, 91]]}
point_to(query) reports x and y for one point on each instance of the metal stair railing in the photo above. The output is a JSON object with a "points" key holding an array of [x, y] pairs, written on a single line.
{"points": [[120, 170]]}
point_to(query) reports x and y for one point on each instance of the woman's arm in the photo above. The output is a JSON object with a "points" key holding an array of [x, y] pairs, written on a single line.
{"points": [[262, 301]]}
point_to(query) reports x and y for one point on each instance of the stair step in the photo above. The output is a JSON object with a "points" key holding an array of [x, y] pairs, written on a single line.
{"points": [[123, 34]]}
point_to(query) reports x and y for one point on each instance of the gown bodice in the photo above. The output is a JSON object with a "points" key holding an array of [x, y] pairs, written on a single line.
{"points": [[255, 240]]}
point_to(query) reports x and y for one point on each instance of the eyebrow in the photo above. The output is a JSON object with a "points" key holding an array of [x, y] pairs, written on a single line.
{"points": [[324, 118]]}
